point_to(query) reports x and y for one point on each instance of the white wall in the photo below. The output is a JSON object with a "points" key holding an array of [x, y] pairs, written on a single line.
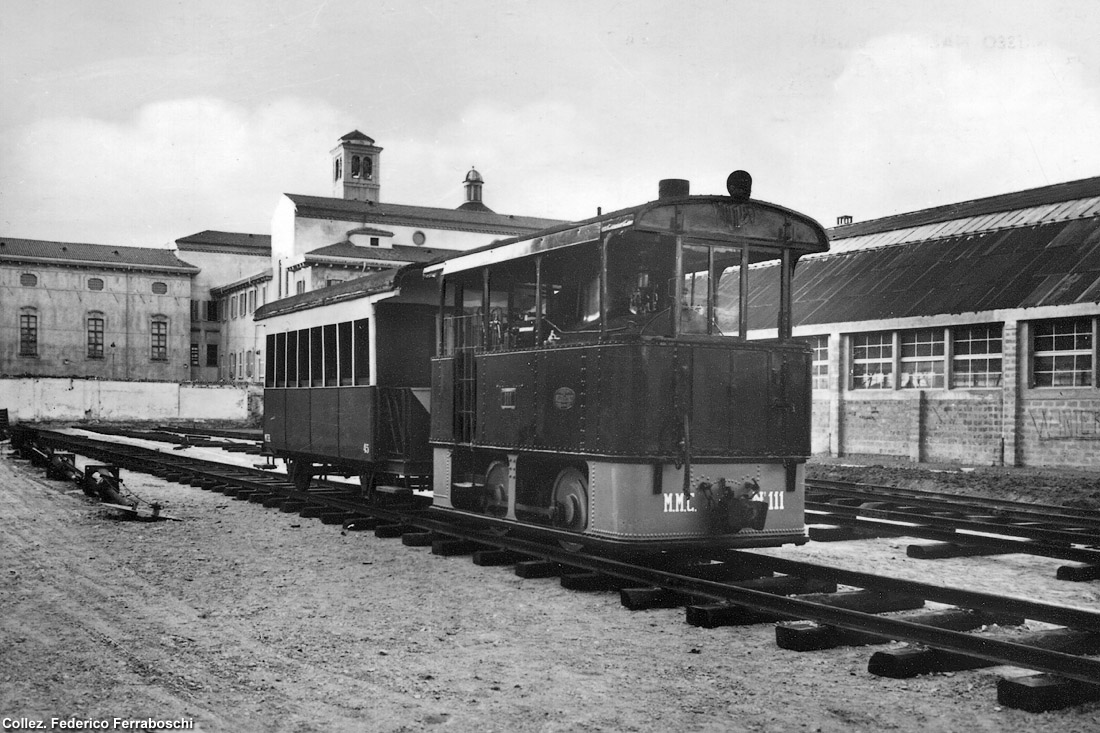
{"points": [[28, 399]]}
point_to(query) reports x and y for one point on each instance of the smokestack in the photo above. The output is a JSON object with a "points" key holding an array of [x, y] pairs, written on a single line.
{"points": [[669, 188]]}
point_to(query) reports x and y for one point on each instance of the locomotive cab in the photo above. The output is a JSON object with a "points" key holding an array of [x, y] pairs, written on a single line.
{"points": [[630, 380]]}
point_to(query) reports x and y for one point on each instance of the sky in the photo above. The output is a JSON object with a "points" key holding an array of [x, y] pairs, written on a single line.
{"points": [[137, 122]]}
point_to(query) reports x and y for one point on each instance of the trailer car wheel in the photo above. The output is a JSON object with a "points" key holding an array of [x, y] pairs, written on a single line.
{"points": [[301, 473], [569, 501]]}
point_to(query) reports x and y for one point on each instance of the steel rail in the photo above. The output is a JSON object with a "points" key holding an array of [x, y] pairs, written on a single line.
{"points": [[998, 651], [957, 523], [954, 502], [922, 530]]}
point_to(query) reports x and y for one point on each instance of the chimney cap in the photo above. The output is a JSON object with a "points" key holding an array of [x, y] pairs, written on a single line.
{"points": [[670, 188]]}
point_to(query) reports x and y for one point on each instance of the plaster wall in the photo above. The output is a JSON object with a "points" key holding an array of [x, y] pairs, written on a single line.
{"points": [[31, 399]]}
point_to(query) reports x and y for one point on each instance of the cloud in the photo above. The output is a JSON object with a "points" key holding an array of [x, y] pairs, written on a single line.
{"points": [[924, 125], [175, 168]]}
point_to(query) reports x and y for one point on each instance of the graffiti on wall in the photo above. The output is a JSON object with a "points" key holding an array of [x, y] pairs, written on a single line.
{"points": [[1065, 423]]}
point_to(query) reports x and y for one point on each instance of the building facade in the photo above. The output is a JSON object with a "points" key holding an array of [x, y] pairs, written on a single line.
{"points": [[964, 334], [91, 310], [234, 271]]}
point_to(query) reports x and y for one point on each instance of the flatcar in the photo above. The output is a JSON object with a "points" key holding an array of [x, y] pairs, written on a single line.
{"points": [[602, 383]]}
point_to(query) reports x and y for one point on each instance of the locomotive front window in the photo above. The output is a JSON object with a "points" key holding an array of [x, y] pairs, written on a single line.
{"points": [[728, 290]]}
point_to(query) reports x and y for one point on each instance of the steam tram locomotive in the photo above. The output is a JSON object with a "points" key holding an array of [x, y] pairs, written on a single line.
{"points": [[594, 382]]}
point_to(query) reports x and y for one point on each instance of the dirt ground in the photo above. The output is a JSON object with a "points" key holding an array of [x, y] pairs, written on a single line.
{"points": [[240, 618]]}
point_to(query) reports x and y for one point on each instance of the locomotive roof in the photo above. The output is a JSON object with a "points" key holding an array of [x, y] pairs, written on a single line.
{"points": [[710, 218]]}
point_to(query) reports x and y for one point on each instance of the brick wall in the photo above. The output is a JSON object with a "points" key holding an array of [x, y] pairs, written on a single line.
{"points": [[1060, 428], [819, 425], [963, 428], [879, 425]]}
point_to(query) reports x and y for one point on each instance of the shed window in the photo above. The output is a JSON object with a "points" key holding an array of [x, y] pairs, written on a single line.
{"points": [[1062, 353], [976, 357], [922, 364], [873, 361], [820, 345], [95, 283], [160, 288]]}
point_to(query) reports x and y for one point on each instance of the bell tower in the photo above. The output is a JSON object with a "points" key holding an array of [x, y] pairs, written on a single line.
{"points": [[355, 168]]}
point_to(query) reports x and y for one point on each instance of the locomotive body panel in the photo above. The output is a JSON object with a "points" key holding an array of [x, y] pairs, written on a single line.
{"points": [[630, 399]]}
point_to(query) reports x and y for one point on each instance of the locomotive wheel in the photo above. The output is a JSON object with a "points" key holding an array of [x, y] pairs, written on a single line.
{"points": [[569, 500], [496, 489]]}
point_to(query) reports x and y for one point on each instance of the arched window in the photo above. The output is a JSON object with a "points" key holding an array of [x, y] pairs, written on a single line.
{"points": [[28, 332], [158, 338], [337, 169], [355, 166], [95, 325], [368, 168]]}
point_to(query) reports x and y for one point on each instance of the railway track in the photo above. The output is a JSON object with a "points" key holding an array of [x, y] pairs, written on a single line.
{"points": [[961, 525], [814, 606]]}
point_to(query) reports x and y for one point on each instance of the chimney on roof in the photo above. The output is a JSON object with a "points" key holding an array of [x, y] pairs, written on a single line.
{"points": [[843, 220]]}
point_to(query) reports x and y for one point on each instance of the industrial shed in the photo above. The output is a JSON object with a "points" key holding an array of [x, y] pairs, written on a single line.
{"points": [[964, 333]]}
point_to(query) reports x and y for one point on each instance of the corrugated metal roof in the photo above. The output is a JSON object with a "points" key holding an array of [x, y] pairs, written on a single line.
{"points": [[33, 250], [1055, 263], [426, 216], [1069, 210], [1060, 194]]}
